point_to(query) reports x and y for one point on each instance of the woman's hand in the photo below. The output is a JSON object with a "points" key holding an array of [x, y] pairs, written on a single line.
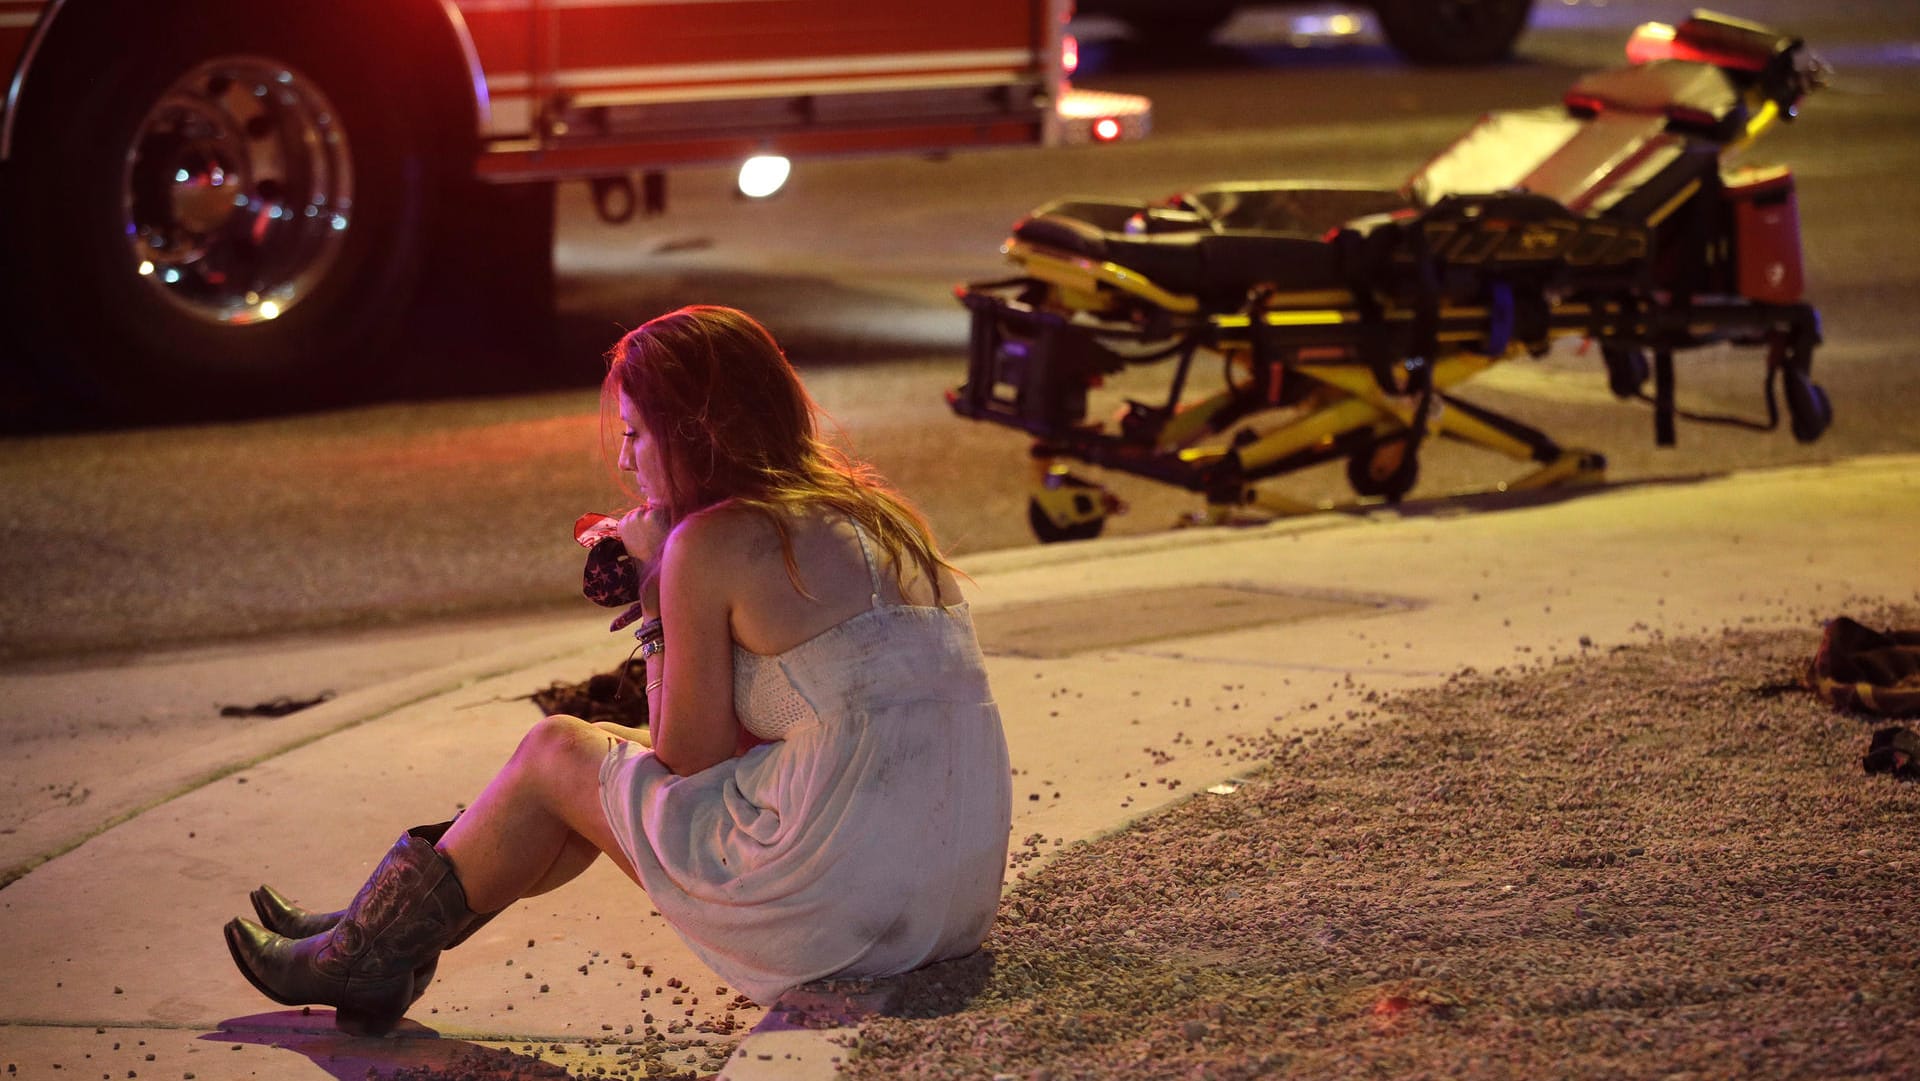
{"points": [[644, 531]]}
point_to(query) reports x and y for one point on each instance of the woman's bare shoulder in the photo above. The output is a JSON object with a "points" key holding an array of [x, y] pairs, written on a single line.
{"points": [[727, 534], [722, 523]]}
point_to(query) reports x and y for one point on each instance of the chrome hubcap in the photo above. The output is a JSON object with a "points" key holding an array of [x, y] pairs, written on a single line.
{"points": [[238, 190]]}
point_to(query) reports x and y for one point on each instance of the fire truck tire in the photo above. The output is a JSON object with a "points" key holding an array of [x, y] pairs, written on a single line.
{"points": [[484, 322], [219, 212], [1453, 32]]}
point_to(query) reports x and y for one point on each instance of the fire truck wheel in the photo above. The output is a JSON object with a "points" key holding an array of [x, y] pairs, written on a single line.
{"points": [[1453, 31], [485, 317], [220, 213]]}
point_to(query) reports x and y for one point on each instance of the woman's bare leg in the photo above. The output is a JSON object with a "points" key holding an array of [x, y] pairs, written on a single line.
{"points": [[539, 819], [575, 856]]}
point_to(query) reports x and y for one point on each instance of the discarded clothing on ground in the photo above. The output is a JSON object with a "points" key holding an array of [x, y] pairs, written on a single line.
{"points": [[618, 696], [1896, 750], [276, 707], [1858, 668]]}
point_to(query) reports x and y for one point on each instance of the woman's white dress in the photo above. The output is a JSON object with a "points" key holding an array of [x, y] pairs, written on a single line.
{"points": [[868, 839]]}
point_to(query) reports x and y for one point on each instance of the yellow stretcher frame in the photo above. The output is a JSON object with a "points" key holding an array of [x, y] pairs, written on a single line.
{"points": [[1350, 401], [1346, 397]]}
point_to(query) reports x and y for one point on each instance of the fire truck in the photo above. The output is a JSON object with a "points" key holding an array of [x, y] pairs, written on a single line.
{"points": [[240, 201]]}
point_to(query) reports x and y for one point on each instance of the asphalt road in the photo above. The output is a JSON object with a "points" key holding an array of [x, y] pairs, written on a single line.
{"points": [[441, 506]]}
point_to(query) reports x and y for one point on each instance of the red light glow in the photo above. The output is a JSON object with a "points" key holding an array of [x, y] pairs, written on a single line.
{"points": [[1392, 1006], [1650, 41], [1106, 129]]}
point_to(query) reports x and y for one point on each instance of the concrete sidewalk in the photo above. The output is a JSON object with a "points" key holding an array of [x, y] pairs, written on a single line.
{"points": [[1127, 671]]}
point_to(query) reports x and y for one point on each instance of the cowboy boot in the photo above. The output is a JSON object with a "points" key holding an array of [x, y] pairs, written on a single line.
{"points": [[365, 965], [283, 917], [288, 920]]}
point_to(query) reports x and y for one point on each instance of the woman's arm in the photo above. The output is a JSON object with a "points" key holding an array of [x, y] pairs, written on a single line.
{"points": [[691, 709], [620, 731]]}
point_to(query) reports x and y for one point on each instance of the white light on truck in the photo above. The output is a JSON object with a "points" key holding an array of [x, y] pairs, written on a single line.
{"points": [[763, 174]]}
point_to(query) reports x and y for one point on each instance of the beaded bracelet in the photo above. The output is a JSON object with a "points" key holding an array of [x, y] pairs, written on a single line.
{"points": [[653, 640]]}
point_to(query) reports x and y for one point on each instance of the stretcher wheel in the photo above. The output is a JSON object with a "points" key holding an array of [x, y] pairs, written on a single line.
{"points": [[1808, 406], [1385, 468], [1066, 507], [1050, 532], [1627, 370]]}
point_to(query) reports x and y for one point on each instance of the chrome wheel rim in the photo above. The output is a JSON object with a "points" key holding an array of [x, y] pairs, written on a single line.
{"points": [[238, 191]]}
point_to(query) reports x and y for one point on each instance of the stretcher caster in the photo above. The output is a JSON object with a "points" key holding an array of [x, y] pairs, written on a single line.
{"points": [[1627, 370], [1384, 468], [1808, 406], [1067, 508]]}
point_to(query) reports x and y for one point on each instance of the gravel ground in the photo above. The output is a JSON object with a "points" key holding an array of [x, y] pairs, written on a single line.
{"points": [[1661, 862]]}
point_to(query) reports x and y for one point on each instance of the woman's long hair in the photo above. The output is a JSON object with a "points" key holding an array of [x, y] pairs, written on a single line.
{"points": [[733, 423]]}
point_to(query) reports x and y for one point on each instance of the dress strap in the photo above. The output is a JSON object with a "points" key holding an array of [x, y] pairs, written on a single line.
{"points": [[866, 553]]}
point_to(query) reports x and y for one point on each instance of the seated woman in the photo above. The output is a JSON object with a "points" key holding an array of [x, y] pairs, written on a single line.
{"points": [[827, 790]]}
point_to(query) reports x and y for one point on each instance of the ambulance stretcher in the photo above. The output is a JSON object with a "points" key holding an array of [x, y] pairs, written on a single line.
{"points": [[1345, 318]]}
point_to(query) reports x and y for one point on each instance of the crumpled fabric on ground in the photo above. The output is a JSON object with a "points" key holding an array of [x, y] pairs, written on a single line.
{"points": [[1861, 669], [618, 696], [1896, 750]]}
